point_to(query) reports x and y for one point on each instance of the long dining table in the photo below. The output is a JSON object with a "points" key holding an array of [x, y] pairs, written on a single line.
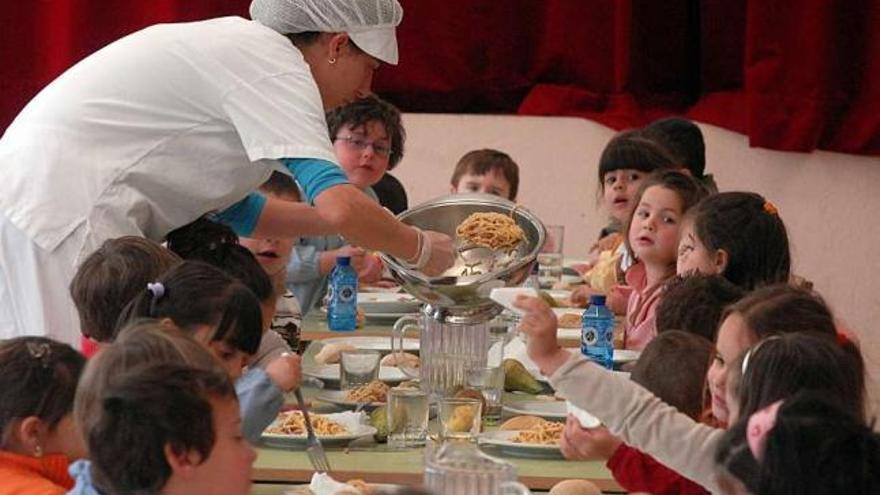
{"points": [[376, 463]]}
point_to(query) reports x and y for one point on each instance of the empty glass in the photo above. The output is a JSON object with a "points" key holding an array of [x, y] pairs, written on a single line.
{"points": [[460, 418], [490, 382], [550, 257], [407, 415], [358, 367]]}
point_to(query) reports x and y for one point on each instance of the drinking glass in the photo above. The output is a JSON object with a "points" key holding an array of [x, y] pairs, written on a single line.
{"points": [[460, 418], [550, 257], [358, 367], [407, 416], [490, 382]]}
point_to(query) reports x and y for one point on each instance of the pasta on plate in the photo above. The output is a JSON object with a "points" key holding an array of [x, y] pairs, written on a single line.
{"points": [[543, 433], [293, 423], [374, 391]]}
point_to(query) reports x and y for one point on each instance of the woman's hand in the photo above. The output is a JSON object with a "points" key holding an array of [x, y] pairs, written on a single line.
{"points": [[371, 269], [582, 444], [539, 323], [442, 253], [286, 371]]}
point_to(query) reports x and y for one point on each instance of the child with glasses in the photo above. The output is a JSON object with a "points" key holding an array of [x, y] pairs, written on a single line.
{"points": [[368, 138]]}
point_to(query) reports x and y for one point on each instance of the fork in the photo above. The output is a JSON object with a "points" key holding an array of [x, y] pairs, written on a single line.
{"points": [[315, 451]]}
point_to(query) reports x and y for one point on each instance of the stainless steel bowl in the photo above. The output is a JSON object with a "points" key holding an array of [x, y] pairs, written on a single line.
{"points": [[463, 290]]}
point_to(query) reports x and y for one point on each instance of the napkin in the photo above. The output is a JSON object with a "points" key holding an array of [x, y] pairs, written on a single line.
{"points": [[324, 484], [352, 421]]}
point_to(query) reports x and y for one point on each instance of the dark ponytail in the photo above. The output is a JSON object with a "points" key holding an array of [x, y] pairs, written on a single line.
{"points": [[195, 293]]}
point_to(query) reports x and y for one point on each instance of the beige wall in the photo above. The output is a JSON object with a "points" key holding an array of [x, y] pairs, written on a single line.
{"points": [[830, 202]]}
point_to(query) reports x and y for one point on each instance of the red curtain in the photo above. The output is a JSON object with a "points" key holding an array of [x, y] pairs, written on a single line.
{"points": [[790, 74]]}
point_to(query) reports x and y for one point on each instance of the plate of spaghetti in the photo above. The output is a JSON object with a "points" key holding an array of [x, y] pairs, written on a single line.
{"points": [[373, 395], [289, 429], [541, 441]]}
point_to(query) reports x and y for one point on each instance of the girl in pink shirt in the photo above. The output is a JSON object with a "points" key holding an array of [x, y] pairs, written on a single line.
{"points": [[652, 238]]}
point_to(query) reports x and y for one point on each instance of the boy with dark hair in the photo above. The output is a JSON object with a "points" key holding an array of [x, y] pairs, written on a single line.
{"points": [[684, 141], [694, 303], [157, 421], [109, 278], [486, 171]]}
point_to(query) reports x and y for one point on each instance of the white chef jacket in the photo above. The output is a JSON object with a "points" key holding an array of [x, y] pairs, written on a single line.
{"points": [[151, 132]]}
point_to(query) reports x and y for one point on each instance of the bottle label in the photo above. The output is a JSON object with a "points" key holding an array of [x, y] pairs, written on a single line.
{"points": [[590, 336], [346, 294]]}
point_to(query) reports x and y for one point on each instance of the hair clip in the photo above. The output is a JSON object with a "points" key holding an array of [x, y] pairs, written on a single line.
{"points": [[752, 351], [770, 208], [41, 351], [759, 425], [157, 290]]}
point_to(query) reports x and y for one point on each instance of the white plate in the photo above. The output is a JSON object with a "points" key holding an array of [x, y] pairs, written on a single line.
{"points": [[337, 397], [387, 303], [330, 373], [382, 344], [281, 440], [378, 488], [506, 295], [620, 357], [554, 410], [503, 440], [586, 419]]}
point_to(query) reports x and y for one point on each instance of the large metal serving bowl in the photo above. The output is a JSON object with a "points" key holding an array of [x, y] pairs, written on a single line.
{"points": [[462, 290]]}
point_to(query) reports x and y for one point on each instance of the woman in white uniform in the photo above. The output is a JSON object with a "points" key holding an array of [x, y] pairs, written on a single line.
{"points": [[179, 120]]}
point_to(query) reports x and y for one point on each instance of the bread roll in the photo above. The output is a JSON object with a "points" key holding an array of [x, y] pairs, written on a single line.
{"points": [[570, 320], [575, 487], [403, 359], [331, 353], [521, 423]]}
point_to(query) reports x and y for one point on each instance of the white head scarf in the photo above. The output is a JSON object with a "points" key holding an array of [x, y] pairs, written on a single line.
{"points": [[369, 23]]}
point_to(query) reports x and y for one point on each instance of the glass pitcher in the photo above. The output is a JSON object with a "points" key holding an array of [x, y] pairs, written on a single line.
{"points": [[447, 350], [460, 468]]}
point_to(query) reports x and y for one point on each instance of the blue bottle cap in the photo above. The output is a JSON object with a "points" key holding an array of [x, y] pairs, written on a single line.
{"points": [[597, 300], [343, 260]]}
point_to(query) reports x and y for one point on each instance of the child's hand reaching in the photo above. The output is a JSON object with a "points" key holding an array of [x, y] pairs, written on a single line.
{"points": [[286, 371], [582, 444], [539, 323], [371, 269]]}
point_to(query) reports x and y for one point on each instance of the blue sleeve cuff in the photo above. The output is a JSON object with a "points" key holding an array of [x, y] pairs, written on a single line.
{"points": [[304, 264], [242, 217], [315, 175], [259, 400]]}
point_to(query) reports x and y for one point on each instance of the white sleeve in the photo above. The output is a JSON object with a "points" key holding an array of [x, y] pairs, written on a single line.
{"points": [[280, 116]]}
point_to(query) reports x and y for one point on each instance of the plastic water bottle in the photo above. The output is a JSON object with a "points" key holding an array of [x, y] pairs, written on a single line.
{"points": [[342, 296], [597, 332]]}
